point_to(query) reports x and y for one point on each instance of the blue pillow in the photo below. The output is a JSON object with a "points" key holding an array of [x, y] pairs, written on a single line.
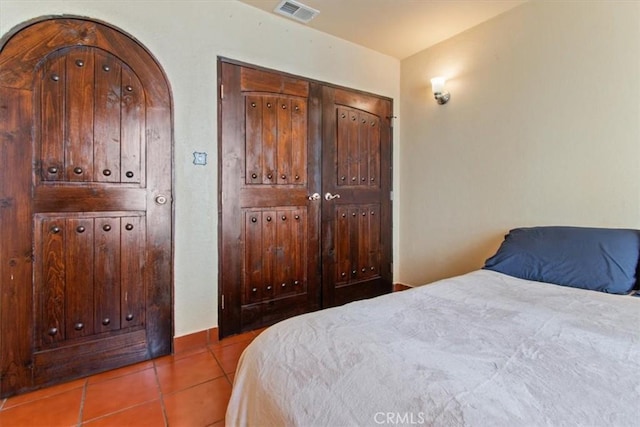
{"points": [[599, 259]]}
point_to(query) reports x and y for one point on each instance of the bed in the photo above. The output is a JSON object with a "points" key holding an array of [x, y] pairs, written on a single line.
{"points": [[482, 349]]}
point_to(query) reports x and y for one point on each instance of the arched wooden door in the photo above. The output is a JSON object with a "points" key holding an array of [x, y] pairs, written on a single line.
{"points": [[85, 203]]}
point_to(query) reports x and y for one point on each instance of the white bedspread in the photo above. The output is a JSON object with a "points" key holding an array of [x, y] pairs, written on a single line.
{"points": [[483, 349]]}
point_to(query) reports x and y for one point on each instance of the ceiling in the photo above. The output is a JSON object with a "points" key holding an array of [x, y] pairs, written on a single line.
{"points": [[398, 28]]}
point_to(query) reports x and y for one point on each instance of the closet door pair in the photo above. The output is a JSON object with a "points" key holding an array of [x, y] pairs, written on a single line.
{"points": [[305, 189]]}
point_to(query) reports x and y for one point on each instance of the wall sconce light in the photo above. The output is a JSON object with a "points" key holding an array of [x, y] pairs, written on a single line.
{"points": [[437, 86]]}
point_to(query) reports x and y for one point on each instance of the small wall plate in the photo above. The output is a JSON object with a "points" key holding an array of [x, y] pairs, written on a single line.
{"points": [[199, 158]]}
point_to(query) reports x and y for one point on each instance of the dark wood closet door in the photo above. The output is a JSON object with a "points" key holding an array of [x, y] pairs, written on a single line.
{"points": [[305, 207], [269, 223], [356, 186], [85, 203]]}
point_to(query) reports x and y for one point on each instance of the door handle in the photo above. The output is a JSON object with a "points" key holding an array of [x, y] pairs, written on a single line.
{"points": [[314, 196], [330, 196]]}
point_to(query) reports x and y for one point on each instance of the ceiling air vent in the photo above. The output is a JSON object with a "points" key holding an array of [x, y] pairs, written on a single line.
{"points": [[294, 10]]}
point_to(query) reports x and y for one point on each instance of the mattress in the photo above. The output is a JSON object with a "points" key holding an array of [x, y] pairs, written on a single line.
{"points": [[481, 349]]}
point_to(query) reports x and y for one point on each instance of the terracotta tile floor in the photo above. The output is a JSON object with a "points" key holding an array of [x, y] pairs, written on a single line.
{"points": [[190, 388]]}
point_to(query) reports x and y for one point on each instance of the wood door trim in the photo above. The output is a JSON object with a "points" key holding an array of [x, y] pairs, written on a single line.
{"points": [[229, 111], [15, 58], [15, 245], [99, 197], [222, 59], [119, 350]]}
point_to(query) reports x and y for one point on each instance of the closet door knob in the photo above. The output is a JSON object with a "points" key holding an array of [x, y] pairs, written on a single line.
{"points": [[330, 196], [315, 196]]}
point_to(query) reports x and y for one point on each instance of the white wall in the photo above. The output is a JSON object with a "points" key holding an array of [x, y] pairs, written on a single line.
{"points": [[543, 128], [186, 37]]}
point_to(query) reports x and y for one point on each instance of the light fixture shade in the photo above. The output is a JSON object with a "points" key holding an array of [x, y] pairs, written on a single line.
{"points": [[437, 84]]}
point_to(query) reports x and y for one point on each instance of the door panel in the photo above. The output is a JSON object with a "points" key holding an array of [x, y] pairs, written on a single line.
{"points": [[107, 274], [79, 257], [88, 273], [276, 140], [356, 222], [357, 243], [132, 262], [52, 127], [88, 232], [51, 297], [269, 227], [78, 114], [132, 131], [275, 253], [107, 109], [91, 118]]}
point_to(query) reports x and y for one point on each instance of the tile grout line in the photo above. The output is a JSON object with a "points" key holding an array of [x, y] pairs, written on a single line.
{"points": [[161, 396], [125, 408], [225, 377], [220, 366], [84, 395]]}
